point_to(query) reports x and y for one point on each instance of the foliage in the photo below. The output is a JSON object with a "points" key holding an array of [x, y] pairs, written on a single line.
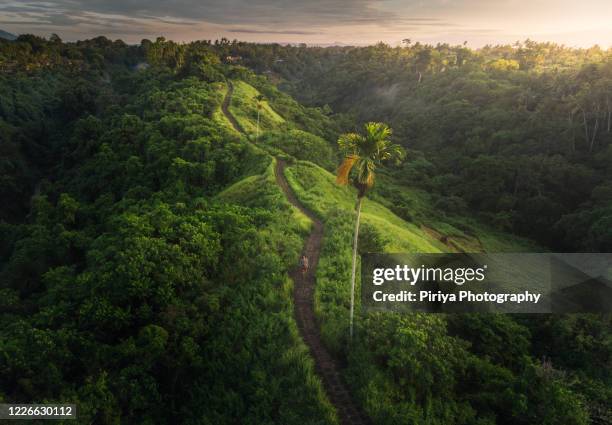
{"points": [[440, 369], [131, 283], [302, 145], [144, 244], [363, 153]]}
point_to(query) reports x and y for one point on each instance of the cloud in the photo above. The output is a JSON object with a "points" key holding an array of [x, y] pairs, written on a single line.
{"points": [[199, 18], [287, 12], [251, 31], [263, 17], [316, 21], [253, 17]]}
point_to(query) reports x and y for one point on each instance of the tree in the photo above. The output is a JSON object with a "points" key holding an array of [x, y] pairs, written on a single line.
{"points": [[363, 153], [259, 98]]}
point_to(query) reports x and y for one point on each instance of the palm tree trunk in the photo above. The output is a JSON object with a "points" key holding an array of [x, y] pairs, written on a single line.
{"points": [[595, 128], [355, 240], [257, 135]]}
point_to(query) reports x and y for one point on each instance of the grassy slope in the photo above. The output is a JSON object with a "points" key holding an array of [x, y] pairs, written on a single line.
{"points": [[316, 188], [218, 114], [244, 108], [256, 190]]}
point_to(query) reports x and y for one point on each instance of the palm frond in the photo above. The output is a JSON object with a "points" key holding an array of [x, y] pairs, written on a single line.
{"points": [[378, 131], [366, 172], [391, 151], [371, 175], [349, 143], [342, 175]]}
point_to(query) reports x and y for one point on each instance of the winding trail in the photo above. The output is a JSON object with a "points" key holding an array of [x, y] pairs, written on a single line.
{"points": [[303, 298], [225, 108]]}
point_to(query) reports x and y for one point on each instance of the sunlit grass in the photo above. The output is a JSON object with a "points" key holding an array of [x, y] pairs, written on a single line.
{"points": [[261, 190], [317, 189], [244, 108], [218, 115]]}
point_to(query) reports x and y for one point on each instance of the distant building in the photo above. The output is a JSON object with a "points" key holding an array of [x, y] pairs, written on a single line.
{"points": [[141, 66], [233, 59]]}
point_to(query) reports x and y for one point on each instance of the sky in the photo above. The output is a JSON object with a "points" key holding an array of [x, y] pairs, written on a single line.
{"points": [[580, 23]]}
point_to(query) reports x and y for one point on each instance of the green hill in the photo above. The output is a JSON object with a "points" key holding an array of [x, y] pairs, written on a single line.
{"points": [[7, 35], [244, 107], [316, 188]]}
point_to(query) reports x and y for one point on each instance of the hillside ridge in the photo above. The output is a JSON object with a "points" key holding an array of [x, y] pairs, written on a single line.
{"points": [[303, 294]]}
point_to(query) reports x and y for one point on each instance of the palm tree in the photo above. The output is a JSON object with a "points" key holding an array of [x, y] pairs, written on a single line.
{"points": [[362, 154], [259, 98]]}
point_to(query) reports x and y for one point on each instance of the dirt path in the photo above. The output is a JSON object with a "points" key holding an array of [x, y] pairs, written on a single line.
{"points": [[227, 113], [303, 298]]}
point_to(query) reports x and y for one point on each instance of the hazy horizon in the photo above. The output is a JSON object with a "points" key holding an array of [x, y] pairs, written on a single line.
{"points": [[319, 22]]}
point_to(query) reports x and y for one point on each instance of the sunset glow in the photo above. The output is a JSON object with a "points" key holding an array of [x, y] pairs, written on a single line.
{"points": [[478, 22]]}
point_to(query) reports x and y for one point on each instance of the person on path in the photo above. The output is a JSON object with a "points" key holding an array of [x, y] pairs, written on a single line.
{"points": [[304, 264]]}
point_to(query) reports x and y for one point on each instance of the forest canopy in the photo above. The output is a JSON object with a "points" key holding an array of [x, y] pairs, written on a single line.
{"points": [[145, 244]]}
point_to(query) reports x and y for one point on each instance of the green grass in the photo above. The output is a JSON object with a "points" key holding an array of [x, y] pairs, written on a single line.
{"points": [[258, 189], [286, 233], [218, 114], [244, 108], [317, 189], [496, 241], [415, 227], [261, 190]]}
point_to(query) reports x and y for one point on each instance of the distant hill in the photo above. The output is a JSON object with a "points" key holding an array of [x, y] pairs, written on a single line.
{"points": [[7, 35]]}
